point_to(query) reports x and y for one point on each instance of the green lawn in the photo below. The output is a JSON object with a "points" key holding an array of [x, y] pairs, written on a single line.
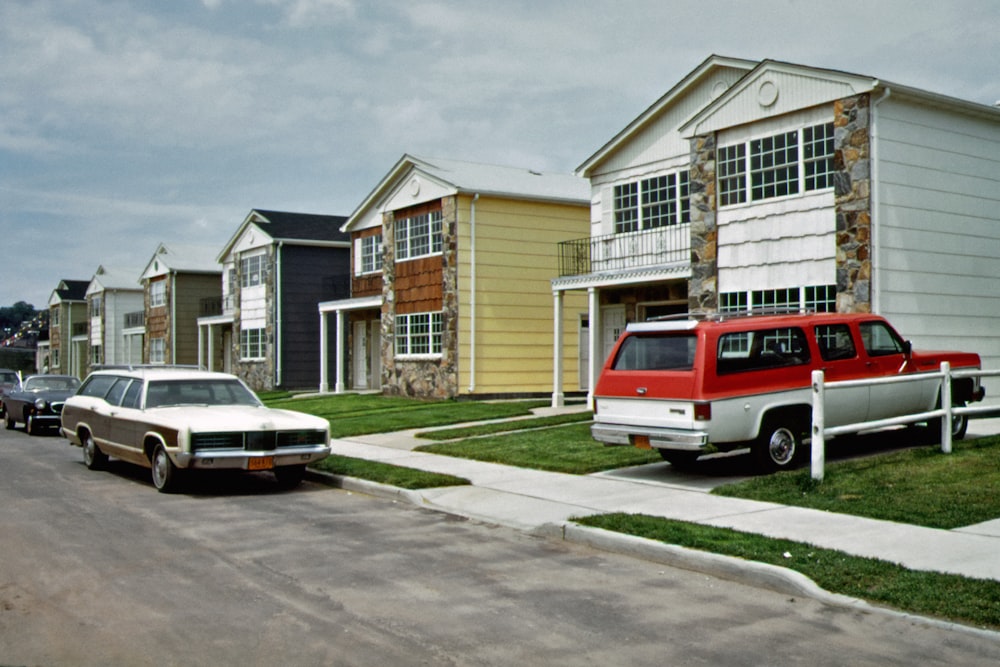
{"points": [[385, 473]]}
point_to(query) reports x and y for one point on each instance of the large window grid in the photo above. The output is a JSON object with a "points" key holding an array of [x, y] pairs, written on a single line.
{"points": [[418, 334], [251, 271], [815, 298], [371, 253], [652, 202], [252, 343], [774, 166], [419, 235]]}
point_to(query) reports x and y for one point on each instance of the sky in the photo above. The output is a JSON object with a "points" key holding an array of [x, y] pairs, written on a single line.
{"points": [[126, 123]]}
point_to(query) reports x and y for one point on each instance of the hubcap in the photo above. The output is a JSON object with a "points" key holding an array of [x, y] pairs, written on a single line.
{"points": [[782, 446]]}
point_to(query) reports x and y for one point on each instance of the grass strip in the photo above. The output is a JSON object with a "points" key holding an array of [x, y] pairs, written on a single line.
{"points": [[948, 596], [568, 449], [386, 473], [919, 486], [505, 426]]}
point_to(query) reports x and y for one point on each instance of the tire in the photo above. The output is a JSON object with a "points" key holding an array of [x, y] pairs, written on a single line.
{"points": [[289, 477], [164, 473], [93, 457], [959, 424], [9, 422], [779, 445], [680, 460], [31, 425]]}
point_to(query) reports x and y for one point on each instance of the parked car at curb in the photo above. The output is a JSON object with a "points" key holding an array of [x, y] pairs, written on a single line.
{"points": [[695, 386], [8, 380], [172, 420], [37, 401]]}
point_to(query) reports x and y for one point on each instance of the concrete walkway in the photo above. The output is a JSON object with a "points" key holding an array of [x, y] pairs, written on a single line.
{"points": [[543, 502]]}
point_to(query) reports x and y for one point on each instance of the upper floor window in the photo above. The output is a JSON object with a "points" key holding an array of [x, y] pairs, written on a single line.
{"points": [[418, 235], [652, 202], [158, 293], [371, 253], [95, 306], [252, 271], [774, 166], [54, 317], [815, 298], [418, 334]]}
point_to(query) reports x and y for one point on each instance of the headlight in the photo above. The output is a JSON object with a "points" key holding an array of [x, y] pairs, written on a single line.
{"points": [[41, 403]]}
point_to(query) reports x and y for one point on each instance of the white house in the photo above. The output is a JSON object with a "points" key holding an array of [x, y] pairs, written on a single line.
{"points": [[766, 185], [113, 293]]}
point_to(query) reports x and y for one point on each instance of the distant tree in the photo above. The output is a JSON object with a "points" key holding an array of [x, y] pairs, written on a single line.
{"points": [[11, 317]]}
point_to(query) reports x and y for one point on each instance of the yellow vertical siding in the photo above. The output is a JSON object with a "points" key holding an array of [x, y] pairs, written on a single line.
{"points": [[516, 260]]}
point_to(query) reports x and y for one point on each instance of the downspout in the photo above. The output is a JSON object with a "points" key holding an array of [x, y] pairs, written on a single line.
{"points": [[876, 185], [472, 297], [277, 317], [173, 318]]}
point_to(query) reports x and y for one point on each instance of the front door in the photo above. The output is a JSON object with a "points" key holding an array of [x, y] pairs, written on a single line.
{"points": [[359, 355]]}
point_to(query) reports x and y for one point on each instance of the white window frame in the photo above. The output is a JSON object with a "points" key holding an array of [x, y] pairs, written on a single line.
{"points": [[253, 344], [419, 236], [815, 298], [775, 166], [419, 335], [370, 254], [656, 201], [157, 350], [252, 268], [157, 293]]}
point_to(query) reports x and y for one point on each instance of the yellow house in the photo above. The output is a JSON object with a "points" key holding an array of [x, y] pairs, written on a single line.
{"points": [[451, 291]]}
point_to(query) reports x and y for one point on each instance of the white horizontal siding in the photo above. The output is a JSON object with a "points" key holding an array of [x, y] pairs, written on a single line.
{"points": [[785, 243], [937, 239]]}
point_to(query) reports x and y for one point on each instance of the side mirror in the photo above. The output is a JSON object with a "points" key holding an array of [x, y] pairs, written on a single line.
{"points": [[907, 347]]}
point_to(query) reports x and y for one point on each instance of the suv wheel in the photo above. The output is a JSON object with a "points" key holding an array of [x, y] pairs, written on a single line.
{"points": [[778, 446]]}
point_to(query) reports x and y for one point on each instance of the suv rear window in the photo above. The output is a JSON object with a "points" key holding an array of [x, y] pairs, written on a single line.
{"points": [[670, 352], [758, 350]]}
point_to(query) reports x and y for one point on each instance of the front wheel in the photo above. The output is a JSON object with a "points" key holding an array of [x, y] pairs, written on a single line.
{"points": [[778, 445], [9, 422], [165, 473], [31, 424], [93, 457]]}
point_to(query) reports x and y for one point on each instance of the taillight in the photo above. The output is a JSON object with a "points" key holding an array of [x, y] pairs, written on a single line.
{"points": [[702, 412]]}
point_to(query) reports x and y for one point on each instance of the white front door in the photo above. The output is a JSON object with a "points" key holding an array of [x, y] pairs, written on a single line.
{"points": [[375, 381], [359, 355], [612, 326]]}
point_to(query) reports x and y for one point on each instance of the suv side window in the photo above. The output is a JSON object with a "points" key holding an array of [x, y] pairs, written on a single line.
{"points": [[879, 339], [835, 342], [759, 350]]}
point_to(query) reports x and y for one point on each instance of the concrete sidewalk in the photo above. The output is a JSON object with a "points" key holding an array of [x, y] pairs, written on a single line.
{"points": [[543, 502]]}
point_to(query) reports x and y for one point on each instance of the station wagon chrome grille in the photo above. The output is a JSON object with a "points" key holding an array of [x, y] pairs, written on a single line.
{"points": [[217, 441], [257, 440], [301, 438]]}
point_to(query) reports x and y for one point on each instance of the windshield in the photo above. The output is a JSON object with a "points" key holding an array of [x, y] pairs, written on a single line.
{"points": [[167, 393], [674, 352], [56, 383]]}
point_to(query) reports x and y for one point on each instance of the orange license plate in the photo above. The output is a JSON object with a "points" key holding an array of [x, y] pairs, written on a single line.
{"points": [[642, 442], [261, 463]]}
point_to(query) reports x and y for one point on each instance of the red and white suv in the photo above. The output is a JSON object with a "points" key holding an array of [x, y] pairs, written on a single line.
{"points": [[691, 387]]}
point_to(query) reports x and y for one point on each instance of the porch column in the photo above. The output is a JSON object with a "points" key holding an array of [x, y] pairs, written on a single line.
{"points": [[594, 333], [211, 348], [558, 397], [340, 361], [324, 375], [201, 342]]}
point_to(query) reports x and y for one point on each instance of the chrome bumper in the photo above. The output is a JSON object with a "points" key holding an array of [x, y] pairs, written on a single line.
{"points": [[659, 438]]}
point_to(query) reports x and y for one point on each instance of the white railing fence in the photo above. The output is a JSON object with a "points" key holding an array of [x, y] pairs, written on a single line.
{"points": [[946, 412]]}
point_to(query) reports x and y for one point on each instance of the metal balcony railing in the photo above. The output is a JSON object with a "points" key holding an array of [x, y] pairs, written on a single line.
{"points": [[210, 306], [620, 252], [135, 319]]}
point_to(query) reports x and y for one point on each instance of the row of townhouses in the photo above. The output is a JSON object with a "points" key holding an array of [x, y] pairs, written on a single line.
{"points": [[748, 185]]}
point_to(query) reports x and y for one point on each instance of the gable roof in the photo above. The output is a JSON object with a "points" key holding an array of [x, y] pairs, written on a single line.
{"points": [[710, 65], [294, 228], [475, 178], [734, 105], [70, 290], [114, 278], [179, 258]]}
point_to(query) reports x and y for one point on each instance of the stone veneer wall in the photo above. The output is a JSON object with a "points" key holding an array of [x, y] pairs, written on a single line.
{"points": [[852, 187], [703, 286], [422, 378], [259, 374]]}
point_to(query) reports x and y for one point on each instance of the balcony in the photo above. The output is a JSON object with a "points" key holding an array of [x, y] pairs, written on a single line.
{"points": [[625, 252], [210, 306], [135, 319]]}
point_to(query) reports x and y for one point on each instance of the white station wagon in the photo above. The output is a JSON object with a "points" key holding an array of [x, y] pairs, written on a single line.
{"points": [[172, 419]]}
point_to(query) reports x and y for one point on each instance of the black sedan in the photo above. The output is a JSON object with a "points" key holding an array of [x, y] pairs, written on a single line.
{"points": [[37, 401], [8, 380]]}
